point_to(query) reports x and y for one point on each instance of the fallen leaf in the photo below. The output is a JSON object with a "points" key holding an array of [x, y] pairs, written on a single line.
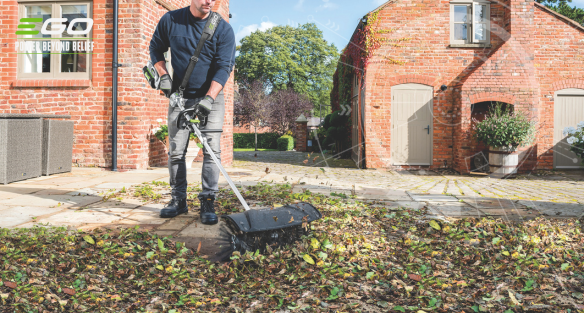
{"points": [[435, 225], [291, 219], [305, 161], [69, 291], [308, 259], [415, 277], [513, 299], [89, 240], [10, 284], [275, 218], [199, 247]]}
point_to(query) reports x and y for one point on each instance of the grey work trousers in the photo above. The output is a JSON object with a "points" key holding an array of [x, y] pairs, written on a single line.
{"points": [[178, 144]]}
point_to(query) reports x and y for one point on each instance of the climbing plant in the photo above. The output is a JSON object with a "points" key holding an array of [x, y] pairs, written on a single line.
{"points": [[368, 38], [354, 60]]}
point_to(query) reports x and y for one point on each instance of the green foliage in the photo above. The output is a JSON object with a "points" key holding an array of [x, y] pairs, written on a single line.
{"points": [[285, 143], [336, 127], [562, 7], [247, 140], [289, 57], [345, 72], [161, 132], [504, 128]]}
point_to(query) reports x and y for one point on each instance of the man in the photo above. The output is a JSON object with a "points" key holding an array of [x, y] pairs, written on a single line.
{"points": [[180, 31]]}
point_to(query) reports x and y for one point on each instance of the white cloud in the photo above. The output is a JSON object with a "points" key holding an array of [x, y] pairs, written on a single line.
{"points": [[247, 30], [326, 5], [298, 5]]}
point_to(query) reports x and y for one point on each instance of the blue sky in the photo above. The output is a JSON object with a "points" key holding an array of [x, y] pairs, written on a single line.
{"points": [[336, 18]]}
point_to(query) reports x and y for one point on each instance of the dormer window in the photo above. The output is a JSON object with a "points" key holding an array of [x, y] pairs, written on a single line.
{"points": [[470, 22]]}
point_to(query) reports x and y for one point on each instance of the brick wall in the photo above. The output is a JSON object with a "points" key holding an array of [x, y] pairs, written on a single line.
{"points": [[531, 50], [301, 136], [250, 129], [90, 101]]}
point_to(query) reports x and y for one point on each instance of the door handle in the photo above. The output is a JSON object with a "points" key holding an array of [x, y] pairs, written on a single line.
{"points": [[428, 129]]}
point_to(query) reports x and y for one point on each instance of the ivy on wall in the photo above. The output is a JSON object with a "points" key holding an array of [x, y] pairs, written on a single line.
{"points": [[355, 58]]}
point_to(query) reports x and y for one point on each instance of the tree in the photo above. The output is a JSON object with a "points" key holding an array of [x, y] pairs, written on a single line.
{"points": [[562, 7], [287, 105], [288, 57], [251, 105]]}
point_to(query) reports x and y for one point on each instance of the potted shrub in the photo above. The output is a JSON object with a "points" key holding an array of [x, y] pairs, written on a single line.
{"points": [[576, 139], [161, 132], [503, 131]]}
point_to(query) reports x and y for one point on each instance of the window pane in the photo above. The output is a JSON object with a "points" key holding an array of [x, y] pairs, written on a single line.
{"points": [[73, 58], [460, 13], [480, 13], [480, 32], [71, 12], [37, 58], [37, 12], [460, 31]]}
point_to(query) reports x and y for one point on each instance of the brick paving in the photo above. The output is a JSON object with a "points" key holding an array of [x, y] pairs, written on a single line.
{"points": [[523, 197]]}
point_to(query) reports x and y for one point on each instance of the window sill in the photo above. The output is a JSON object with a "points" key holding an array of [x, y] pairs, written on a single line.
{"points": [[471, 45], [51, 83]]}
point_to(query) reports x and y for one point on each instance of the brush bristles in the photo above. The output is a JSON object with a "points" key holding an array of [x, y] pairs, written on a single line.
{"points": [[264, 241]]}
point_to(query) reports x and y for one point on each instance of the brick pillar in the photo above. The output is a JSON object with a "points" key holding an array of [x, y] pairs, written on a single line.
{"points": [[301, 133], [222, 7]]}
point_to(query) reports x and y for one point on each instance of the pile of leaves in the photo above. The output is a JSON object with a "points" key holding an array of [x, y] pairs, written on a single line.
{"points": [[361, 256]]}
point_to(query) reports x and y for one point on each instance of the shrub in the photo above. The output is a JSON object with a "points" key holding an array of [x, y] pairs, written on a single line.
{"points": [[576, 139], [504, 128], [247, 140], [285, 143]]}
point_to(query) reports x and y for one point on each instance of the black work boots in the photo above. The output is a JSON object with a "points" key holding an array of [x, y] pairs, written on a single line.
{"points": [[208, 216], [174, 207]]}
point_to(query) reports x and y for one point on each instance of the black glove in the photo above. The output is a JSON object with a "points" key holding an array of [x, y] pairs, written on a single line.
{"points": [[166, 85], [205, 106]]}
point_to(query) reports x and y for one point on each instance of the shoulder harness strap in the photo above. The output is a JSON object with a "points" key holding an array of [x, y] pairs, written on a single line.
{"points": [[208, 31]]}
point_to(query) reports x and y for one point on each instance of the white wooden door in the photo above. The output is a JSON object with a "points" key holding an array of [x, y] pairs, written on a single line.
{"points": [[568, 111], [411, 120]]}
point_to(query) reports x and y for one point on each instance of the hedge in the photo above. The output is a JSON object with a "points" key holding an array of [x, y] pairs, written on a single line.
{"points": [[247, 140], [285, 143]]}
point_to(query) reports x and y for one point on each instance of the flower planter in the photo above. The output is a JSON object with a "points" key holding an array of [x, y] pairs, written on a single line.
{"points": [[503, 162]]}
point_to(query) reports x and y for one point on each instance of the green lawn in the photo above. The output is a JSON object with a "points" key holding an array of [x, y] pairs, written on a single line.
{"points": [[251, 149]]}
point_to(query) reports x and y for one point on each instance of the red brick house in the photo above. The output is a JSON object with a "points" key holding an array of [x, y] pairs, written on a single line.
{"points": [[80, 85], [513, 51]]}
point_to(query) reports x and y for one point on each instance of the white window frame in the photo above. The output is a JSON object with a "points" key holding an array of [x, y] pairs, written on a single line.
{"points": [[55, 72], [470, 30]]}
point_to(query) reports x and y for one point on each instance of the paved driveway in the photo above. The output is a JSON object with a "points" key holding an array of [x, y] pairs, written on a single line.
{"points": [[556, 194]]}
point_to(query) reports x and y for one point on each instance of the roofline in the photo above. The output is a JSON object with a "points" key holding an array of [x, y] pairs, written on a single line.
{"points": [[560, 16], [541, 6], [388, 2]]}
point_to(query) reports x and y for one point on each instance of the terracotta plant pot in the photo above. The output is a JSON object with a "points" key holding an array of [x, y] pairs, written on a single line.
{"points": [[166, 143]]}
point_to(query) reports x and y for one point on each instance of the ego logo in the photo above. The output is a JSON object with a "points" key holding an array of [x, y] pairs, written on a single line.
{"points": [[58, 25]]}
